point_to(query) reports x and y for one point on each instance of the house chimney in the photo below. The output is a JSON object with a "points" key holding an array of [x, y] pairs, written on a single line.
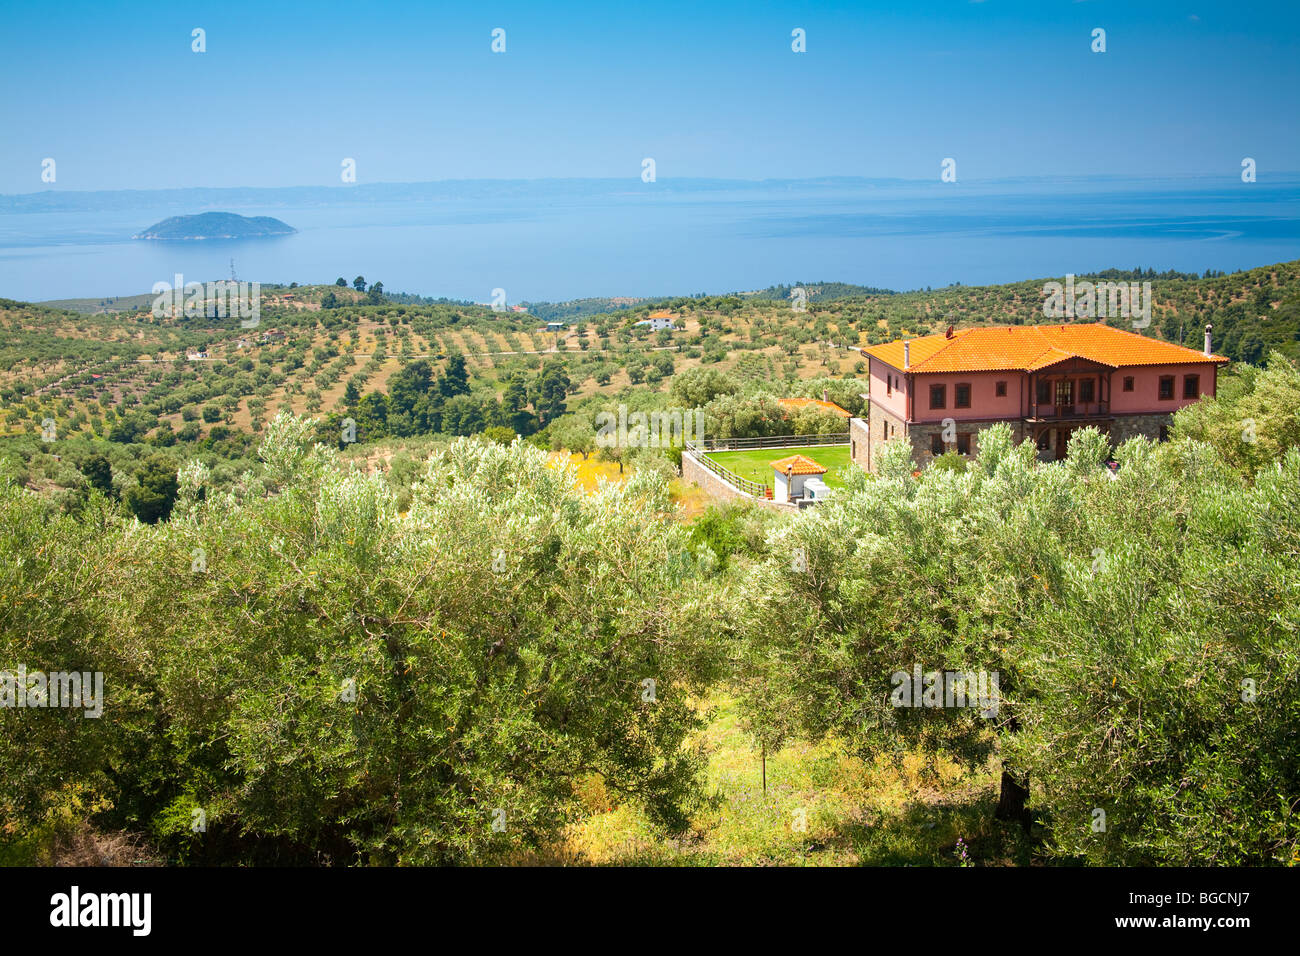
{"points": [[907, 356], [1208, 353]]}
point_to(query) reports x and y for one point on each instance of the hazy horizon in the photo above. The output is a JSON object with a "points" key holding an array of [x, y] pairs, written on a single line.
{"points": [[1277, 177]]}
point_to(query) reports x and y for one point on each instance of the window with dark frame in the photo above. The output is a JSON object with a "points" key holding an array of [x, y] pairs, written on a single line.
{"points": [[1166, 387], [1128, 383], [1000, 390], [938, 396], [1087, 390], [1164, 433], [1044, 392], [961, 395], [936, 445], [963, 443], [1191, 386], [1065, 392], [889, 385]]}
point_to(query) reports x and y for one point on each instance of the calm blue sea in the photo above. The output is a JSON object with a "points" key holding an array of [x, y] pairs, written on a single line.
{"points": [[561, 239]]}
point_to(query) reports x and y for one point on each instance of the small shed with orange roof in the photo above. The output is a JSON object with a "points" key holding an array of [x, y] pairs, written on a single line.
{"points": [[796, 478]]}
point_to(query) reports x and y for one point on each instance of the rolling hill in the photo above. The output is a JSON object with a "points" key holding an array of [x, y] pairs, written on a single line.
{"points": [[144, 381]]}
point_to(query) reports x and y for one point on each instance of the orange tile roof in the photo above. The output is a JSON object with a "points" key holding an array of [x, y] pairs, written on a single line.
{"points": [[798, 465], [803, 402], [1027, 348], [662, 314]]}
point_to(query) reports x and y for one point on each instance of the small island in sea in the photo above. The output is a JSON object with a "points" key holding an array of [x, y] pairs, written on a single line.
{"points": [[216, 225]]}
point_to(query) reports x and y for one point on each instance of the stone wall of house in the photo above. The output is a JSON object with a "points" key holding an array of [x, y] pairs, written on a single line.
{"points": [[920, 435], [859, 442], [1125, 427], [713, 485], [881, 425]]}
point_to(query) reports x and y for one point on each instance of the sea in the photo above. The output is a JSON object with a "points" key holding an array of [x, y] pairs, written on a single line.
{"points": [[557, 240]]}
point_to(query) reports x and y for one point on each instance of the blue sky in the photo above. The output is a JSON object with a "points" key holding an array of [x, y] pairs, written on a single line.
{"points": [[413, 92]]}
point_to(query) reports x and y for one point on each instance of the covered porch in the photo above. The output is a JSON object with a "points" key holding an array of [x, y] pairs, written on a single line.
{"points": [[1052, 436], [1070, 389]]}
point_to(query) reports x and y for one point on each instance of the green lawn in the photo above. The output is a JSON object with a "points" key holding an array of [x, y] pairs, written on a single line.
{"points": [[756, 465]]}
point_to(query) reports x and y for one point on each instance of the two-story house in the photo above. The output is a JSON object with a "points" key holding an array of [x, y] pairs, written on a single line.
{"points": [[938, 391], [659, 322]]}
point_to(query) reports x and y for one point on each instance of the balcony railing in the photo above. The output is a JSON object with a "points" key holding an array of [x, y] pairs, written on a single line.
{"points": [[1077, 410]]}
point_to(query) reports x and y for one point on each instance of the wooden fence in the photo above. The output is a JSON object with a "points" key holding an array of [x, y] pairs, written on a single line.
{"points": [[777, 441], [757, 489], [749, 487]]}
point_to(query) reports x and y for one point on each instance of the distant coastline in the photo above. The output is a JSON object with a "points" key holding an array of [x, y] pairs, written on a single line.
{"points": [[520, 190]]}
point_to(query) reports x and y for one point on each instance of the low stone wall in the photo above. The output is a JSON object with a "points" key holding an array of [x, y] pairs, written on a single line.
{"points": [[713, 485]]}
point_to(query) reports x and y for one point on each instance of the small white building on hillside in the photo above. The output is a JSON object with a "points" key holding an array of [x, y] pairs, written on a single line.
{"points": [[659, 321], [798, 478]]}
